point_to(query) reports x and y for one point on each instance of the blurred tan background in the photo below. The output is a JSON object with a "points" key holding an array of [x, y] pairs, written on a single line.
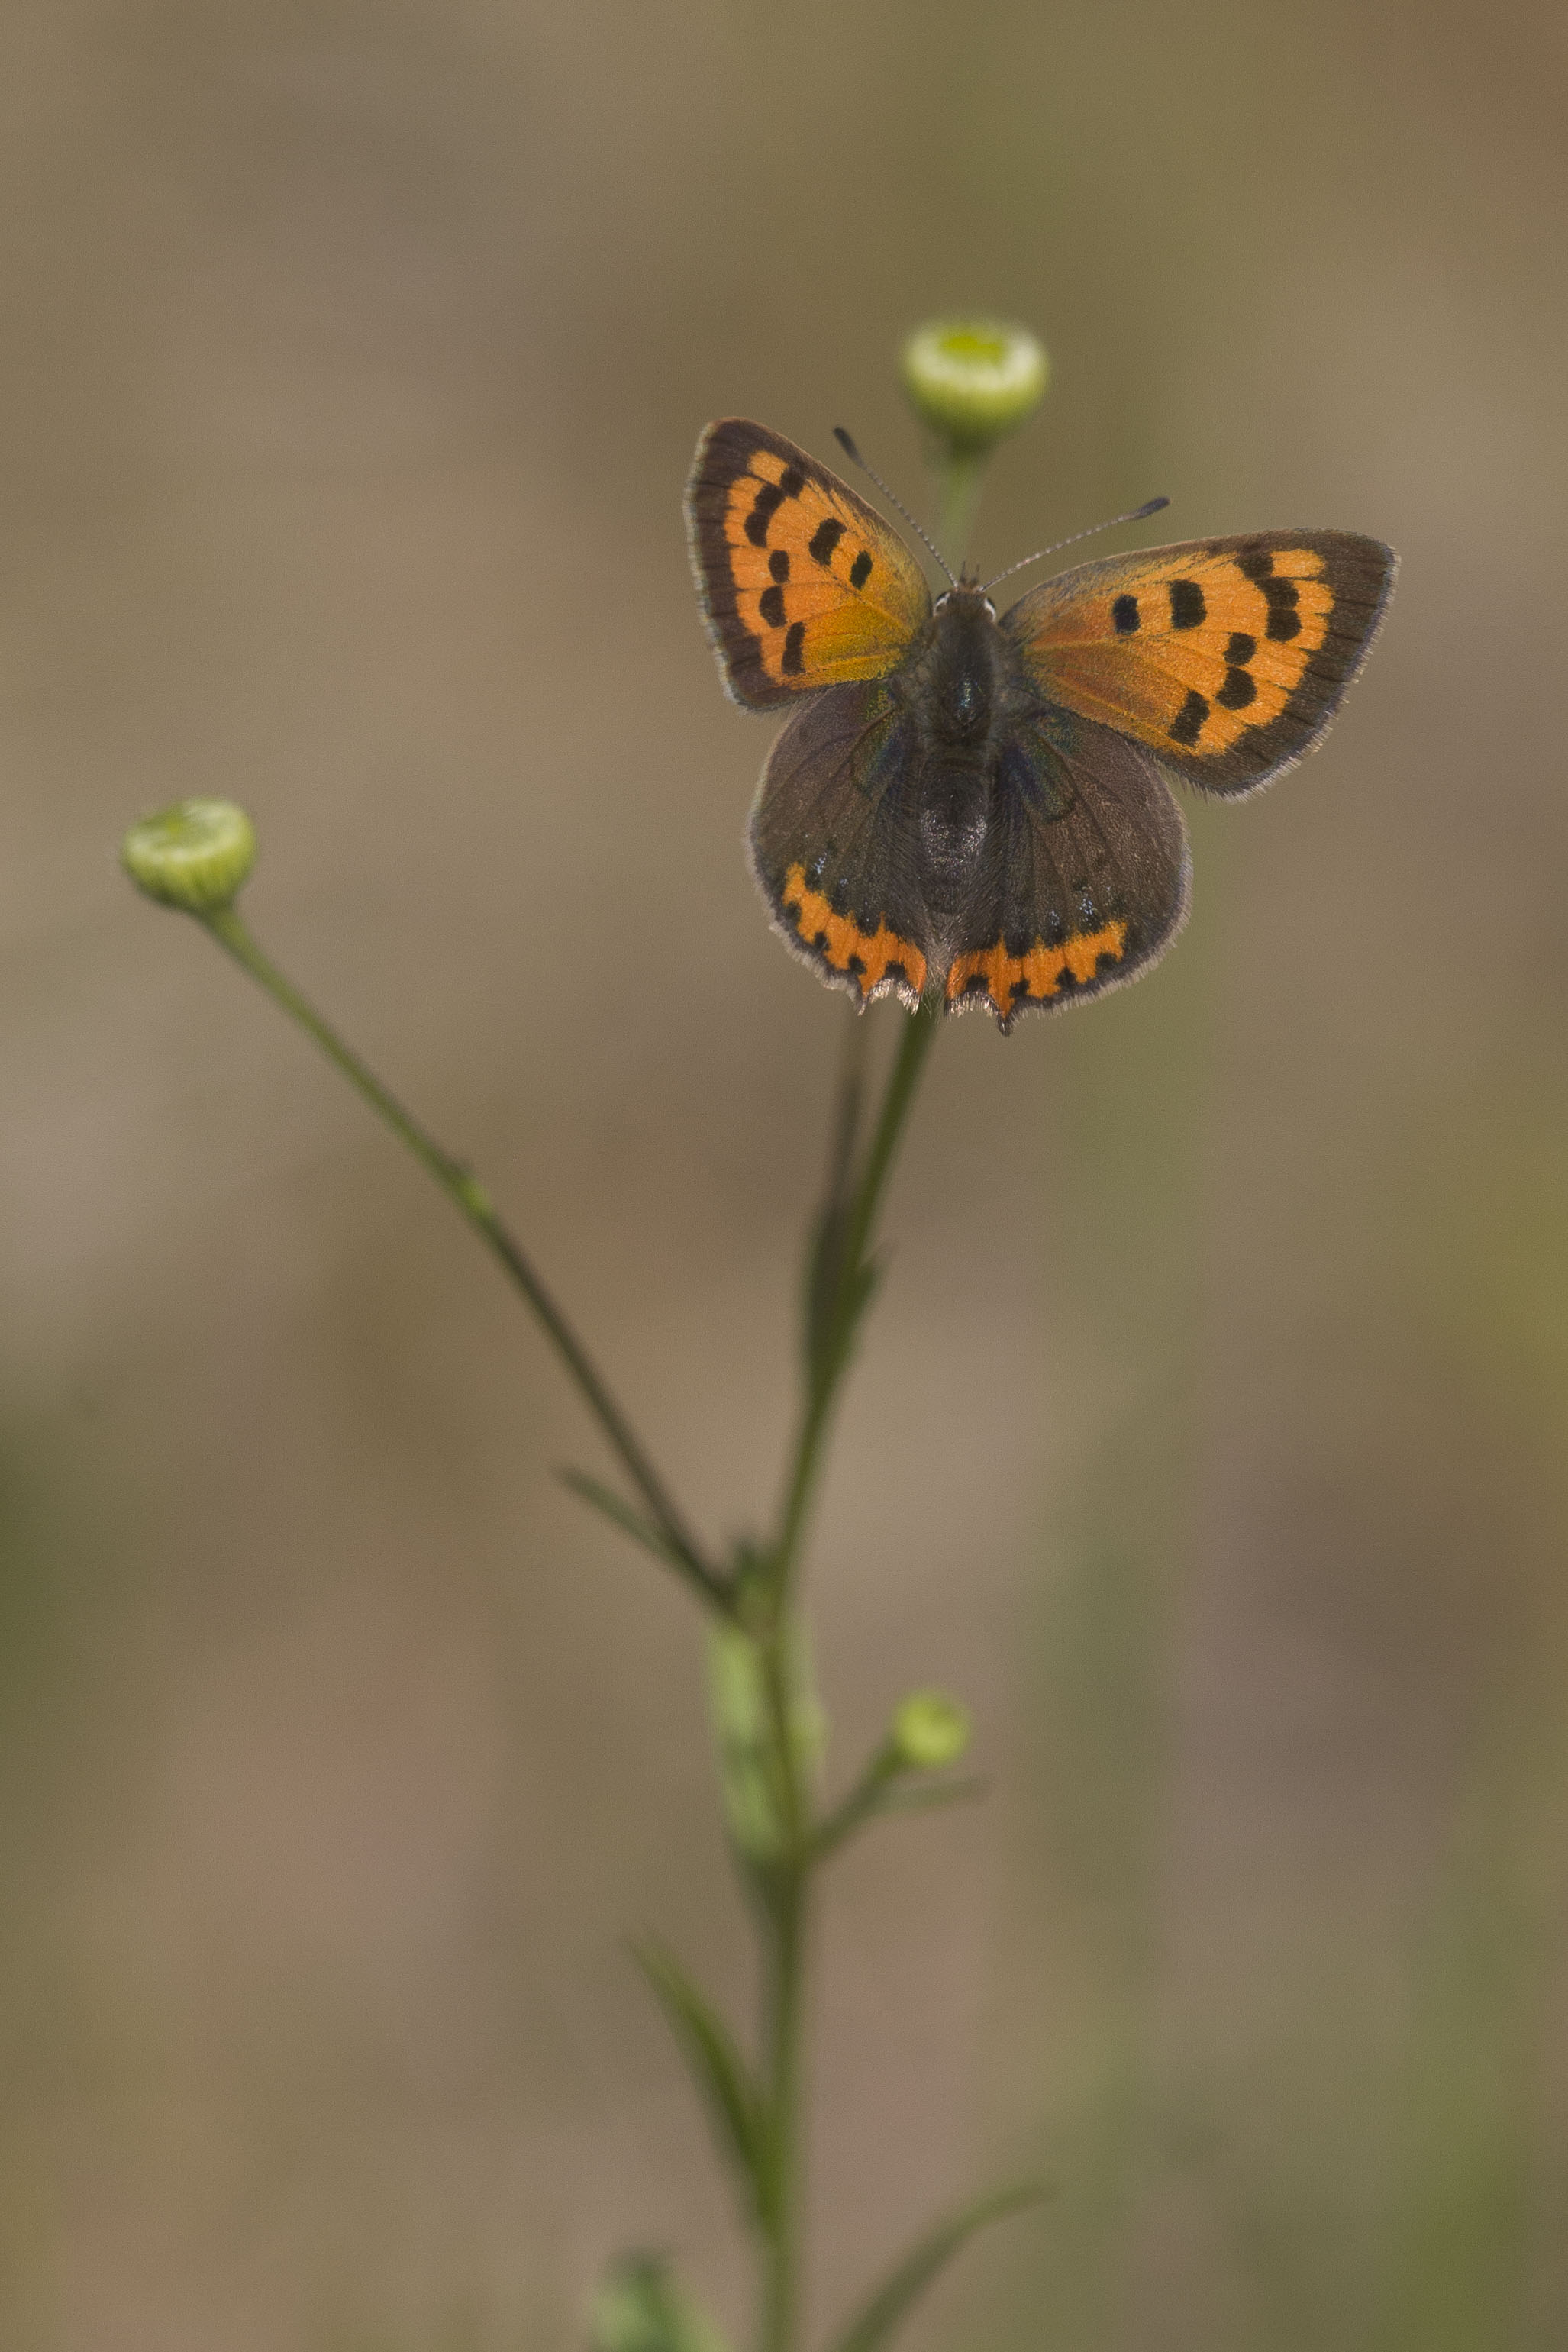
{"points": [[1210, 1439]]}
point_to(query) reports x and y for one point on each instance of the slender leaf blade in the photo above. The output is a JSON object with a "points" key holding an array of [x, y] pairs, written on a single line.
{"points": [[893, 2302], [625, 1517], [734, 2105]]}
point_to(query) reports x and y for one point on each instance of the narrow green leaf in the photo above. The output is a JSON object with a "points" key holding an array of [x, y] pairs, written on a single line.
{"points": [[865, 1282], [630, 1522], [832, 1344], [711, 1589], [716, 2065], [896, 2297]]}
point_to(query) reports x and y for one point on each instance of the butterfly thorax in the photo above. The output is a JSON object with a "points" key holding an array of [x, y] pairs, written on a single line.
{"points": [[959, 671]]}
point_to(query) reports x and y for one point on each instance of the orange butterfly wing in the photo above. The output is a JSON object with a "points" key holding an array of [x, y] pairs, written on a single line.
{"points": [[1226, 656], [803, 584]]}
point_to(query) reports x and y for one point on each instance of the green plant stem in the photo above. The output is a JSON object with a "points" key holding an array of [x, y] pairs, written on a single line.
{"points": [[851, 1097], [464, 1190], [850, 1295], [881, 1792], [853, 1202], [787, 1904], [961, 478]]}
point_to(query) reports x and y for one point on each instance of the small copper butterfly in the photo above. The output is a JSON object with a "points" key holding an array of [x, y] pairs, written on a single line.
{"points": [[981, 807]]}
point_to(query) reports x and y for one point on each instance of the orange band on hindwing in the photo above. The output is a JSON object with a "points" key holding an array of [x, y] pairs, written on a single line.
{"points": [[875, 959], [1011, 981]]}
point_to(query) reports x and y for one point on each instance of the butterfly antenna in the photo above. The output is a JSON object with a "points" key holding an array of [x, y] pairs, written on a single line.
{"points": [[849, 450], [1151, 506]]}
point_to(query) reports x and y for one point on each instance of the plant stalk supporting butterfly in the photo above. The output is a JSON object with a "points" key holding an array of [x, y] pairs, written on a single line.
{"points": [[780, 1845], [767, 1727]]}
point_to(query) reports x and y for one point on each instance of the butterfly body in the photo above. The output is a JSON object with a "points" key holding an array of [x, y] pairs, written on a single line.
{"points": [[982, 805], [961, 696], [952, 694]]}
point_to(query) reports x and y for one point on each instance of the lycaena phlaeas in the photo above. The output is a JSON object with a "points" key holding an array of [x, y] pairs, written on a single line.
{"points": [[981, 807]]}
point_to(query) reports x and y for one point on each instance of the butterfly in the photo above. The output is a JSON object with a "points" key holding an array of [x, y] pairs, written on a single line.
{"points": [[981, 807]]}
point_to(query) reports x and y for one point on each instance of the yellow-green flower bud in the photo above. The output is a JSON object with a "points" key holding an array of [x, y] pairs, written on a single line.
{"points": [[929, 1729], [973, 380], [194, 855]]}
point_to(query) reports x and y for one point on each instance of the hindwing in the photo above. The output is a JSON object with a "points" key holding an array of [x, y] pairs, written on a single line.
{"points": [[1082, 881], [833, 837]]}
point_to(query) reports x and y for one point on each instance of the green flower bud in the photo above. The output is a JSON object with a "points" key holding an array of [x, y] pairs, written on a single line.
{"points": [[194, 855], [972, 379], [929, 1729], [641, 2308]]}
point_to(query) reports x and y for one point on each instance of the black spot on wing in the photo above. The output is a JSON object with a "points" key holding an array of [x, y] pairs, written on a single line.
{"points": [[1188, 610], [794, 660], [1241, 649], [1284, 620], [1187, 724], [1125, 615], [1238, 690], [778, 563], [823, 540], [860, 569], [771, 606], [764, 506]]}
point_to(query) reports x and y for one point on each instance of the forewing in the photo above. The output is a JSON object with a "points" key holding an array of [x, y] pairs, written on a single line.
{"points": [[831, 843], [1083, 879], [803, 584], [1227, 658]]}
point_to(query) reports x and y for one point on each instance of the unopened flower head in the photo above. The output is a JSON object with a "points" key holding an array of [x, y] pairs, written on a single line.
{"points": [[194, 855], [973, 380], [928, 1730]]}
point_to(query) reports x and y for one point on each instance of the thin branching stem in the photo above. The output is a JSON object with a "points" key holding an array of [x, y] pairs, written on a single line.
{"points": [[787, 1909], [851, 1100], [850, 1293], [759, 2105], [842, 1279], [468, 1196]]}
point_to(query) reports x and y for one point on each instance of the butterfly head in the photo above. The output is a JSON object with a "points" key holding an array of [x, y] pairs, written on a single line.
{"points": [[965, 598]]}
